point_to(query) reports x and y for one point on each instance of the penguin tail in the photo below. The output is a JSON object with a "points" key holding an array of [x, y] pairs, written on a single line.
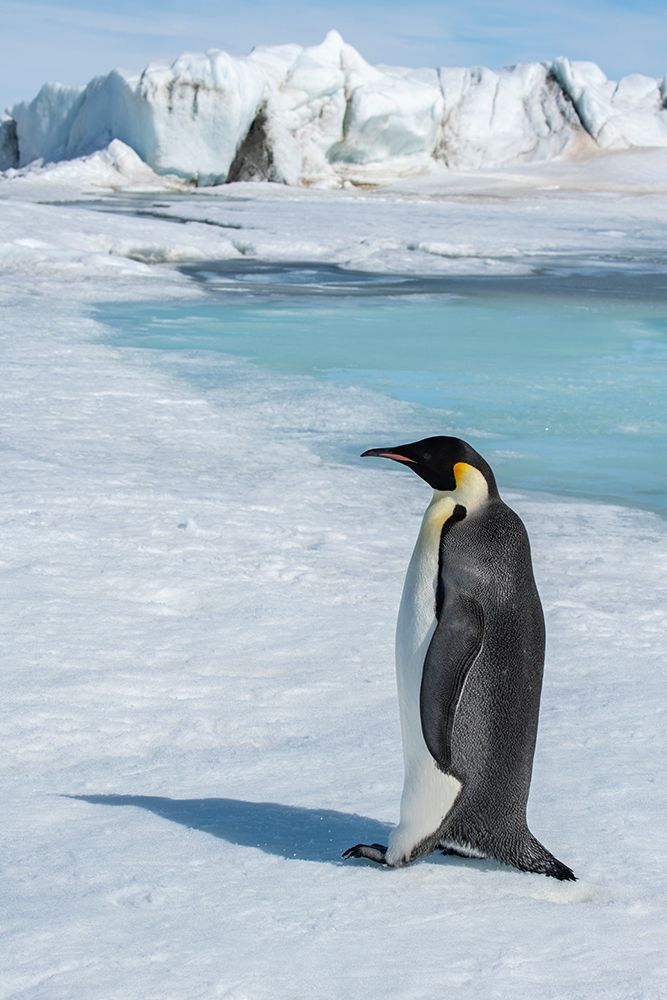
{"points": [[536, 858]]}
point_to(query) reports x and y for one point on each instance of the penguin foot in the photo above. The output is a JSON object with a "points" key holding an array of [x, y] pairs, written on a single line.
{"points": [[373, 852]]}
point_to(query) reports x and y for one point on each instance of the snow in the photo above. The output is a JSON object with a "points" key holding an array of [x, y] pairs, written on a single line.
{"points": [[114, 168], [322, 115], [198, 708], [496, 222]]}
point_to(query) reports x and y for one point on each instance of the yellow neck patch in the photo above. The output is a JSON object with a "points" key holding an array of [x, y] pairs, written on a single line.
{"points": [[471, 487], [462, 471]]}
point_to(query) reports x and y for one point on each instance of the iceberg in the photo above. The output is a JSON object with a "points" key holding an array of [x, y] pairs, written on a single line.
{"points": [[187, 119], [616, 115], [43, 126], [517, 115], [322, 115]]}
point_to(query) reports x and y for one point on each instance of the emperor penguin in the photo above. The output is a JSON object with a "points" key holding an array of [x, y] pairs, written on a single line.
{"points": [[469, 662]]}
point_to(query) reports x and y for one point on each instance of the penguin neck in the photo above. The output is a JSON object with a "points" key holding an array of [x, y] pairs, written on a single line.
{"points": [[472, 492]]}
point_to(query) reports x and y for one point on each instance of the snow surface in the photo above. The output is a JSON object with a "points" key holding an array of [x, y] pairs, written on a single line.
{"points": [[198, 608], [323, 115], [114, 168], [608, 209]]}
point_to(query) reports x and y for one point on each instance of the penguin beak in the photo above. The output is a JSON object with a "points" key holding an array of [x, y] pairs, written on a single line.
{"points": [[387, 453]]}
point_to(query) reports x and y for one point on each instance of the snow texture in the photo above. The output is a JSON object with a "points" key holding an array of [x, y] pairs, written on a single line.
{"points": [[323, 115], [198, 707], [115, 167]]}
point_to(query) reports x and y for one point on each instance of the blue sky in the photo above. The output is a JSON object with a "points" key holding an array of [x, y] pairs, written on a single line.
{"points": [[73, 40]]}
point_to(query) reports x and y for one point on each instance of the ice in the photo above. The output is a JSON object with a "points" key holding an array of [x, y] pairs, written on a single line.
{"points": [[307, 110], [198, 706], [616, 115], [323, 115], [389, 119], [512, 116], [116, 167], [43, 125], [188, 119], [9, 149], [508, 221]]}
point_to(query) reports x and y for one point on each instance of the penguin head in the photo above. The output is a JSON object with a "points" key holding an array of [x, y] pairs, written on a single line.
{"points": [[440, 461]]}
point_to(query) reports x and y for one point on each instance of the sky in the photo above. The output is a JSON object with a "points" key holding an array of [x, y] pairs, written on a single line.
{"points": [[73, 40]]}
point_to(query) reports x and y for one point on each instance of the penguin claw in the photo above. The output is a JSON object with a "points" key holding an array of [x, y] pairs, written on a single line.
{"points": [[373, 852]]}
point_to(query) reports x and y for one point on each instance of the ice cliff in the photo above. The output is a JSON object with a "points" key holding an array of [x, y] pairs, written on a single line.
{"points": [[322, 115]]}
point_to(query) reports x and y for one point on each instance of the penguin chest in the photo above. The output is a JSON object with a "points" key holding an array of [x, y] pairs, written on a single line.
{"points": [[428, 793], [416, 625]]}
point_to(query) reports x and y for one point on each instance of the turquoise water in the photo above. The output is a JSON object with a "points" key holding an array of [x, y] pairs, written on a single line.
{"points": [[561, 384]]}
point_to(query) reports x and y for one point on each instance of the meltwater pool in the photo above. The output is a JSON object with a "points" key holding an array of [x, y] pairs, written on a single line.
{"points": [[560, 381]]}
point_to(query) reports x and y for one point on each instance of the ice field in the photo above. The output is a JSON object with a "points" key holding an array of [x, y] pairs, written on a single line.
{"points": [[200, 582]]}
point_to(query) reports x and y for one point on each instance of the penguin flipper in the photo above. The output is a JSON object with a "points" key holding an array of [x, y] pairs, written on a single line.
{"points": [[454, 648]]}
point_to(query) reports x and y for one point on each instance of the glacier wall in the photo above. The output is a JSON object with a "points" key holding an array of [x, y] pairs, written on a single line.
{"points": [[323, 115]]}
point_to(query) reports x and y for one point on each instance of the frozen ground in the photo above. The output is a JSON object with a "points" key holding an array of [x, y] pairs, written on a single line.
{"points": [[199, 709], [609, 209]]}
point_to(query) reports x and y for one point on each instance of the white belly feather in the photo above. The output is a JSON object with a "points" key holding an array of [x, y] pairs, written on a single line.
{"points": [[428, 794]]}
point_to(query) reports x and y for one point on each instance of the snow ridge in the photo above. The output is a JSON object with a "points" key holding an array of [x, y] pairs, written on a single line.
{"points": [[323, 115]]}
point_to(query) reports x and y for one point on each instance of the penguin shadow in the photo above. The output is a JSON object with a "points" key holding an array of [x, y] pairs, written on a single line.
{"points": [[291, 832]]}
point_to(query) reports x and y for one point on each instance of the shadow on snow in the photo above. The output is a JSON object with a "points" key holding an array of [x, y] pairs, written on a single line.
{"points": [[289, 831]]}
